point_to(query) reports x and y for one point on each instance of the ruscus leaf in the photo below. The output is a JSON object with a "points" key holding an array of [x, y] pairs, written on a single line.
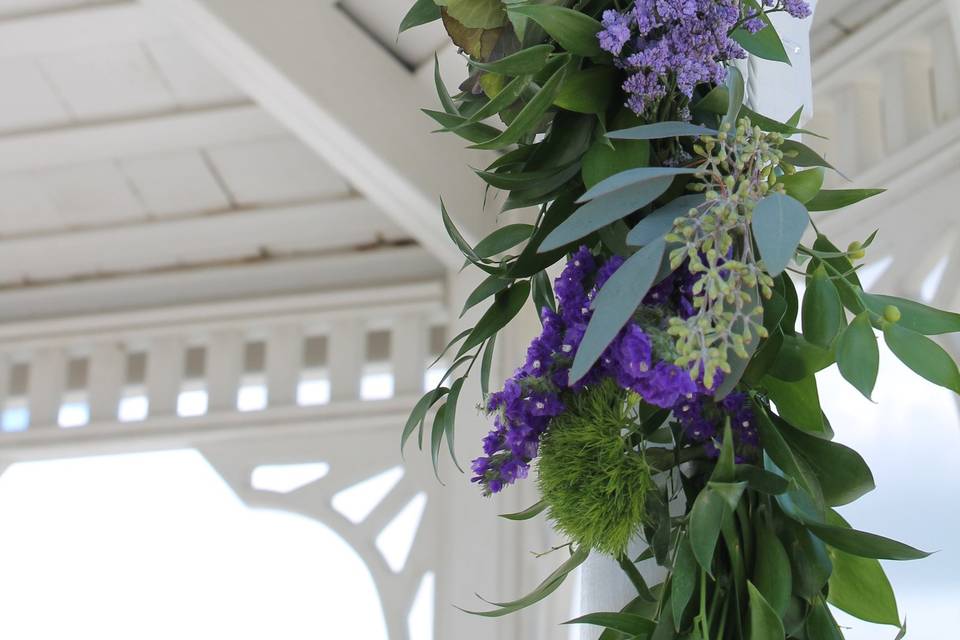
{"points": [[575, 31]]}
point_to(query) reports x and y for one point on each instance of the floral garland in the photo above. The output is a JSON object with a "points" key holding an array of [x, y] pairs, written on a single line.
{"points": [[670, 368]]}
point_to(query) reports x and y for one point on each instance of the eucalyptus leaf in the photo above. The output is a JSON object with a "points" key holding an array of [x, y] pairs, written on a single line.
{"points": [[779, 222], [858, 356], [657, 224], [575, 31], [633, 177], [661, 130], [604, 210], [615, 304]]}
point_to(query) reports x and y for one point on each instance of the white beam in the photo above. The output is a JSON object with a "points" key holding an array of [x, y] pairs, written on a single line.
{"points": [[184, 242], [335, 272], [158, 134], [349, 99], [79, 28]]}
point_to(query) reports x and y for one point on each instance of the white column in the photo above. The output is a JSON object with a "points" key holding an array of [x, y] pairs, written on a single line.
{"points": [[946, 71], [907, 97], [284, 363], [347, 355], [106, 373], [48, 376], [165, 361], [224, 362], [408, 354], [860, 135]]}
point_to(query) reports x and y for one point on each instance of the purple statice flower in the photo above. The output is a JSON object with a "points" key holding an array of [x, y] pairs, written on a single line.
{"points": [[665, 385], [797, 8], [634, 352], [616, 31]]}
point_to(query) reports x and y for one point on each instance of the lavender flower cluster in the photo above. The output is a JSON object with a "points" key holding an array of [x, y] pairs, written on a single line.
{"points": [[522, 411], [675, 45]]}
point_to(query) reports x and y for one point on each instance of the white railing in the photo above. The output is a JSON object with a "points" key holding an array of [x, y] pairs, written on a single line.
{"points": [[206, 367]]}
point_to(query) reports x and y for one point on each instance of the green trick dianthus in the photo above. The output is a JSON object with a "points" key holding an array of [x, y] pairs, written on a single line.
{"points": [[594, 483]]}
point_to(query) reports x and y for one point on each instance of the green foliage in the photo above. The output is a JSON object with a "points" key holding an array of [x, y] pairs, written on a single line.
{"points": [[595, 484]]}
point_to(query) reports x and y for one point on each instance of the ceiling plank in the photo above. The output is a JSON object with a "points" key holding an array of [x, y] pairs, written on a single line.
{"points": [[178, 131], [350, 100], [195, 241]]}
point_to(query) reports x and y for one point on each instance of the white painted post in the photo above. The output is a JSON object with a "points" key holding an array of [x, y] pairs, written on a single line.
{"points": [[165, 362], [4, 381], [860, 136], [907, 97], [106, 373], [408, 354], [946, 71], [48, 376], [224, 366], [284, 362], [348, 352]]}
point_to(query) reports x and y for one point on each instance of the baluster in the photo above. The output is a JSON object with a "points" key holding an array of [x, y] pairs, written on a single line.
{"points": [[284, 363], [165, 361], [348, 341], [48, 376], [859, 127], [408, 354], [907, 97], [224, 369], [5, 366], [106, 373], [946, 72]]}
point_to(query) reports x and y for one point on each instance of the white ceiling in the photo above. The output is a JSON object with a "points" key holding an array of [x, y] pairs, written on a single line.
{"points": [[114, 130]]}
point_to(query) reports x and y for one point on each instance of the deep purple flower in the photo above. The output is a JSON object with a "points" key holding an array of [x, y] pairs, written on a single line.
{"points": [[635, 352], [665, 385]]}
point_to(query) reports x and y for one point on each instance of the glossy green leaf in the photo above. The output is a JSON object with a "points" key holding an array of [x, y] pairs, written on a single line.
{"points": [[820, 624], [422, 12], [503, 239], [766, 42], [615, 304], [777, 449], [436, 438], [476, 14], [588, 90], [445, 100], [449, 418], [849, 285], [532, 259], [924, 356], [526, 61], [771, 568], [800, 155], [489, 287], [858, 356], [419, 413], [765, 622], [760, 480], [520, 180], [798, 402], [604, 159], [573, 30], [661, 130], [860, 586], [504, 99], [477, 132], [505, 307], [683, 581], [915, 316], [658, 223], [803, 186], [706, 518], [863, 544], [822, 312], [735, 94], [550, 584], [528, 513], [724, 469], [843, 474], [779, 222], [730, 492], [604, 210], [486, 363], [529, 117], [630, 623], [774, 126], [542, 292], [833, 199]]}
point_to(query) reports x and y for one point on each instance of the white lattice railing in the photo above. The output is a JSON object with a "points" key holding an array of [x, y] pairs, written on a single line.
{"points": [[225, 365]]}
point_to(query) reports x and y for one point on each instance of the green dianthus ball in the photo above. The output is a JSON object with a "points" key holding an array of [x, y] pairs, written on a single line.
{"points": [[593, 482]]}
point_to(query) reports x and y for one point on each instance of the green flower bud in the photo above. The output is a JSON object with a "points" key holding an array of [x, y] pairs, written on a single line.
{"points": [[891, 313]]}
